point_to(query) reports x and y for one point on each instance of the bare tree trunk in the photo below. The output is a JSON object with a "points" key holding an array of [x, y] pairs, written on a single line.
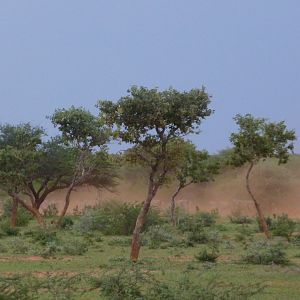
{"points": [[66, 206], [260, 214], [173, 207], [135, 243], [13, 218]]}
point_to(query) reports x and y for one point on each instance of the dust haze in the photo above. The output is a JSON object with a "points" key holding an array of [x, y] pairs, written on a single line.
{"points": [[277, 188]]}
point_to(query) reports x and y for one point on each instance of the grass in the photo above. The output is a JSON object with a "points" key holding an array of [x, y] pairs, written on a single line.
{"points": [[165, 263]]}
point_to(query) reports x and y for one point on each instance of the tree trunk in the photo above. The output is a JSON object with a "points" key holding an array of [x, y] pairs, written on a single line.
{"points": [[173, 207], [135, 243], [13, 218], [260, 214], [66, 206], [33, 210]]}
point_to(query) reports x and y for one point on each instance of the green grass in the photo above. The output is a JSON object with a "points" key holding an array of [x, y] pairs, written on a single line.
{"points": [[282, 282]]}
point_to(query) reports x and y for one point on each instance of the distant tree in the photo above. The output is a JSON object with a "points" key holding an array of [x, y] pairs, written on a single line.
{"points": [[151, 120], [256, 140], [86, 136], [193, 166]]}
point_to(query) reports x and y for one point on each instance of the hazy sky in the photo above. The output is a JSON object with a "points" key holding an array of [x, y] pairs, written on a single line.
{"points": [[58, 53]]}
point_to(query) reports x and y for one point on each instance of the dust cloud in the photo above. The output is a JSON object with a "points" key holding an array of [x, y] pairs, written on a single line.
{"points": [[277, 188]]}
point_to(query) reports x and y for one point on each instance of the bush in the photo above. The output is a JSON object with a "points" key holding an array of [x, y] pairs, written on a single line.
{"points": [[158, 234], [207, 255], [66, 223], [74, 247], [23, 216], [197, 221], [50, 211], [50, 250], [132, 283], [283, 226], [18, 246], [264, 252], [43, 235], [6, 229], [115, 218], [240, 219], [3, 249]]}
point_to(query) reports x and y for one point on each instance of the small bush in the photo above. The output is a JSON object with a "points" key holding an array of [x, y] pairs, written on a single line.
{"points": [[206, 255], [158, 234], [283, 226], [66, 223], [18, 246], [43, 236], [6, 229], [264, 252], [74, 247], [3, 249], [240, 219], [51, 249], [197, 221], [50, 211]]}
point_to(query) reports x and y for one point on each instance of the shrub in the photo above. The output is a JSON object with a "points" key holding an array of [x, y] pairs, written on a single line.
{"points": [[207, 255], [115, 218], [264, 252], [50, 250], [43, 235], [240, 219], [18, 246], [50, 211], [3, 249], [197, 221], [125, 284], [158, 234], [283, 226], [130, 282], [74, 247], [23, 216], [6, 229], [66, 223]]}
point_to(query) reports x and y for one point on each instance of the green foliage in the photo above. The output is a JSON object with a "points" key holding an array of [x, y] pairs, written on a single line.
{"points": [[157, 235], [237, 218], [264, 252], [6, 229], [206, 255], [18, 246], [258, 139], [18, 287], [43, 235], [145, 114], [23, 216], [131, 282], [283, 226], [197, 221], [74, 247], [50, 211], [66, 223], [115, 218]]}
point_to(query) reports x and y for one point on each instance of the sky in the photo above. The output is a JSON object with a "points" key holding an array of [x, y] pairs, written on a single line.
{"points": [[58, 53]]}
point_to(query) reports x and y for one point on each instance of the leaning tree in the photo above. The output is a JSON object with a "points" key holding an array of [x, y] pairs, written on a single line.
{"points": [[192, 166], [256, 140], [150, 120], [84, 134]]}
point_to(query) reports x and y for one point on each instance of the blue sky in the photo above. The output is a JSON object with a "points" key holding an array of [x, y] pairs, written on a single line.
{"points": [[58, 53]]}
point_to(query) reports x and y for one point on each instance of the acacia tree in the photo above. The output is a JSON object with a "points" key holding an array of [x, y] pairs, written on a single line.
{"points": [[193, 166], [256, 140], [29, 169], [150, 120], [86, 136]]}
